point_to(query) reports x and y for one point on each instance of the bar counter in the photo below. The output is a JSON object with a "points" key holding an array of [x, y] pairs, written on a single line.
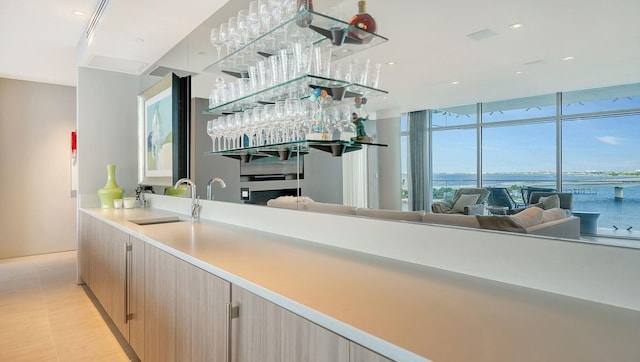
{"points": [[404, 311]]}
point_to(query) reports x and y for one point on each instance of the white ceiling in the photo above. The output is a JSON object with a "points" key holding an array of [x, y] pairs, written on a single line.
{"points": [[41, 40]]}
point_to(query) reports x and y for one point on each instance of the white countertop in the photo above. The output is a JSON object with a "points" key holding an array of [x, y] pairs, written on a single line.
{"points": [[398, 309]]}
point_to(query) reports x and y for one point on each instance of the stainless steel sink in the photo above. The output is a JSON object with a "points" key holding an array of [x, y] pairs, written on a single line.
{"points": [[156, 220]]}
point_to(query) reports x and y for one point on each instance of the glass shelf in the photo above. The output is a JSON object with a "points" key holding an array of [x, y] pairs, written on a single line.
{"points": [[323, 28], [299, 87], [286, 150]]}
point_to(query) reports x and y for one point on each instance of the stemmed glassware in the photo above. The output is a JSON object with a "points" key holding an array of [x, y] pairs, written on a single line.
{"points": [[216, 40], [232, 42], [243, 27], [292, 111], [267, 70], [224, 35]]}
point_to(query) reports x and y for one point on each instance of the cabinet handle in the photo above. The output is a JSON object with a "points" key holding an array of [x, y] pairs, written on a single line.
{"points": [[232, 313], [127, 271]]}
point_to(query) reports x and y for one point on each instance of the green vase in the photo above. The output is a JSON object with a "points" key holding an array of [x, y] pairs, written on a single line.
{"points": [[111, 190]]}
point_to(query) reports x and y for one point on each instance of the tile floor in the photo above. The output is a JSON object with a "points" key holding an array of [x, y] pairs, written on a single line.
{"points": [[45, 316]]}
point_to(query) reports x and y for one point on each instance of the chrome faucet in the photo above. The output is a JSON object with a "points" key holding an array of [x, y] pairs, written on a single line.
{"points": [[195, 203], [210, 186]]}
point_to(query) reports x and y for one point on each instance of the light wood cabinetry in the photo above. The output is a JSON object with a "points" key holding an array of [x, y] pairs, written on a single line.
{"points": [[136, 295], [84, 246], [201, 315], [170, 310], [267, 332], [112, 264], [116, 278], [159, 305]]}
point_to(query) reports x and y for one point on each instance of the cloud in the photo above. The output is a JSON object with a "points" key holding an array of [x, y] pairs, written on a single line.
{"points": [[612, 140]]}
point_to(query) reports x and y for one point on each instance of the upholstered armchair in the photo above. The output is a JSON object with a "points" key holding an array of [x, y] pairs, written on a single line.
{"points": [[466, 200], [565, 200]]}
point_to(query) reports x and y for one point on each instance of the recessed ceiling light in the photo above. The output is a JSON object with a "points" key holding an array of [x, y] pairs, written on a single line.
{"points": [[518, 72], [391, 63], [516, 26], [482, 34], [455, 83], [568, 58], [78, 12]]}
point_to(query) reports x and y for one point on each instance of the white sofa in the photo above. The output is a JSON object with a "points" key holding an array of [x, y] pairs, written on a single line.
{"points": [[558, 226]]}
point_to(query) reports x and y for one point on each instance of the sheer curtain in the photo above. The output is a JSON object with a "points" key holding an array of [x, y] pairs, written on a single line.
{"points": [[355, 186], [418, 197]]}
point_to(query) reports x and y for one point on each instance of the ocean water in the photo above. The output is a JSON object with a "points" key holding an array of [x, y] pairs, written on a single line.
{"points": [[595, 193]]}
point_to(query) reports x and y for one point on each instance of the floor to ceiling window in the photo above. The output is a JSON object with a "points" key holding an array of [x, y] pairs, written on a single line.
{"points": [[601, 157], [583, 143], [519, 156], [454, 147], [519, 145]]}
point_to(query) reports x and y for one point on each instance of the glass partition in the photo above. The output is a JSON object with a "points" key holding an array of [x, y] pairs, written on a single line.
{"points": [[454, 116], [601, 168], [619, 98], [519, 109], [518, 157], [454, 161]]}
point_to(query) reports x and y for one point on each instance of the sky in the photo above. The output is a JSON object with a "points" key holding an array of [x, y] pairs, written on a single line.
{"points": [[591, 144]]}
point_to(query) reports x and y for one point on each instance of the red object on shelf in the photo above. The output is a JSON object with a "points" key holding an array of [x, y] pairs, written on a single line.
{"points": [[362, 21], [74, 144]]}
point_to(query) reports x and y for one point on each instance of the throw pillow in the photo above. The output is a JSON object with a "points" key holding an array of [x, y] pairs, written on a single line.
{"points": [[529, 217], [553, 214], [464, 201], [500, 223], [550, 202]]}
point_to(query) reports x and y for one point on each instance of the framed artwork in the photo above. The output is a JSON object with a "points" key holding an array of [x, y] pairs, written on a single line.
{"points": [[163, 131]]}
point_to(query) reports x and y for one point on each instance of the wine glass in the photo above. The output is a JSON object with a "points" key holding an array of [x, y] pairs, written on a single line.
{"points": [[267, 122], [257, 126], [331, 120], [279, 121], [264, 10], [247, 135], [216, 40], [233, 33], [306, 120], [222, 133], [224, 36], [277, 10], [292, 111], [254, 20], [243, 27], [346, 122], [211, 133]]}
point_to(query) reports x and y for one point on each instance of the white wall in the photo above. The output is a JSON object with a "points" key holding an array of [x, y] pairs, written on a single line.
{"points": [[38, 209], [389, 168], [108, 128]]}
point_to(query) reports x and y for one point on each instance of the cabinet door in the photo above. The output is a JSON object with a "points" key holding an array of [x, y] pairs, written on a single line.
{"points": [[116, 278], [358, 353], [100, 254], [84, 247], [159, 305], [266, 332], [201, 315], [136, 296]]}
